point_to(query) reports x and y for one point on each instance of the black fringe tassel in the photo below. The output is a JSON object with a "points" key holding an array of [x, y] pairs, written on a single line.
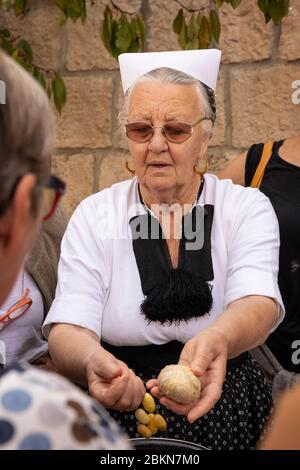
{"points": [[179, 297]]}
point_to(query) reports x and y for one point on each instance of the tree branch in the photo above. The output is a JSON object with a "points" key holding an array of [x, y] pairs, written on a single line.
{"points": [[116, 7], [48, 72], [191, 10]]}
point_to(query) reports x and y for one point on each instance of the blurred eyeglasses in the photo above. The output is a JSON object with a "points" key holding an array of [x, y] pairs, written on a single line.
{"points": [[17, 309], [174, 131], [53, 191]]}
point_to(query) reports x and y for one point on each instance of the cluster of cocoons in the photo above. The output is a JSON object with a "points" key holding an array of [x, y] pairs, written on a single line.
{"points": [[176, 382], [149, 423]]}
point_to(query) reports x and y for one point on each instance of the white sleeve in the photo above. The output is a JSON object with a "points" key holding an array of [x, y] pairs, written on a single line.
{"points": [[82, 274], [253, 252]]}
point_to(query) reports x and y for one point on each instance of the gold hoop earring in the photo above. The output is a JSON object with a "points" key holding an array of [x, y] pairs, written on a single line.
{"points": [[128, 168], [199, 172]]}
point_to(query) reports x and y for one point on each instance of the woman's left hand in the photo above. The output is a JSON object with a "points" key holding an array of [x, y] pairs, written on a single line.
{"points": [[206, 355]]}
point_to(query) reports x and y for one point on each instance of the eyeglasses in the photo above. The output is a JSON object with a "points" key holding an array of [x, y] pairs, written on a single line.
{"points": [[53, 191], [174, 131], [18, 309]]}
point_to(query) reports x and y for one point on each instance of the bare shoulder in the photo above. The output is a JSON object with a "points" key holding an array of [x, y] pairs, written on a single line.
{"points": [[235, 170], [290, 150]]}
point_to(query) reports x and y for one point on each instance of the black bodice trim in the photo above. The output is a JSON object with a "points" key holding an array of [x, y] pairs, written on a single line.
{"points": [[173, 295]]}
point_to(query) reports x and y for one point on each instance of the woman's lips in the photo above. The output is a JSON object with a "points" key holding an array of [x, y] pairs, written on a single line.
{"points": [[159, 165]]}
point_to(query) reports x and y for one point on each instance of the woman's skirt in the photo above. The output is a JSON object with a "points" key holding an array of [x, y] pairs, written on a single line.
{"points": [[236, 421]]}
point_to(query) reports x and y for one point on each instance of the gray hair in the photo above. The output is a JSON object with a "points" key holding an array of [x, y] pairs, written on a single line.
{"points": [[26, 131], [207, 100]]}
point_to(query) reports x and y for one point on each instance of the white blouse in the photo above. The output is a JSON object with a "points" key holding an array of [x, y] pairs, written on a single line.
{"points": [[99, 285]]}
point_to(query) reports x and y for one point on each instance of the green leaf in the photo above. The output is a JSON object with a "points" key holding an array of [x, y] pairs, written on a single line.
{"points": [[204, 33], [192, 29], [178, 22], [276, 10], [38, 75], [5, 33], [124, 38], [83, 11], [107, 12], [286, 7], [113, 49], [73, 13], [134, 46], [215, 25], [235, 3], [182, 37], [15, 54], [140, 29], [6, 5], [267, 18], [73, 8], [19, 7], [21, 61], [219, 3], [59, 92], [24, 47], [106, 30], [193, 44], [62, 19], [133, 27], [199, 18], [263, 5], [6, 46], [136, 42], [60, 4], [49, 91]]}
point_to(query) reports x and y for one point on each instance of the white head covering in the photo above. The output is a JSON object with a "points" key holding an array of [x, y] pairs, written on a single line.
{"points": [[202, 64]]}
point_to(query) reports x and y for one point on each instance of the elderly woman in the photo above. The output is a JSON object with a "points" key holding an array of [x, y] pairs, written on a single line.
{"points": [[170, 266]]}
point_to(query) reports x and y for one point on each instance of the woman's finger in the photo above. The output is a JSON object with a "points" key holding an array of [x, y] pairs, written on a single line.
{"points": [[126, 399], [139, 393], [174, 406], [109, 393], [211, 394], [152, 383], [155, 391], [106, 366]]}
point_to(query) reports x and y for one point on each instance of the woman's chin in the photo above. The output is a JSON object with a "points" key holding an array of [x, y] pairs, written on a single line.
{"points": [[160, 182]]}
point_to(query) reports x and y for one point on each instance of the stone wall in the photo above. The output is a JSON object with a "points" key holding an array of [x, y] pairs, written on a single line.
{"points": [[260, 63]]}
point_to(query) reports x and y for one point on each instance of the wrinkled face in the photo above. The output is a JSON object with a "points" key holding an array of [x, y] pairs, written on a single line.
{"points": [[161, 165]]}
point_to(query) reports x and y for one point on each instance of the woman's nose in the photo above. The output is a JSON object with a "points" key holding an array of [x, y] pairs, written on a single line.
{"points": [[158, 142]]}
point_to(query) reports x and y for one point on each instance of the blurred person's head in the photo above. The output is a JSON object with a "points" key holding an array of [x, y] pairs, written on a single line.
{"points": [[26, 144]]}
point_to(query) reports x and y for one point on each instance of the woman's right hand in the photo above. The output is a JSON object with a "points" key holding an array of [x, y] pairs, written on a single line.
{"points": [[112, 383]]}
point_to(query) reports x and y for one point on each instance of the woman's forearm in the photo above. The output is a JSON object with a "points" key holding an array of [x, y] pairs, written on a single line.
{"points": [[70, 347], [246, 323]]}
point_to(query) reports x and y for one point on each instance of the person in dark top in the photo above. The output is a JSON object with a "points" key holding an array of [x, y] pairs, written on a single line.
{"points": [[281, 183]]}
